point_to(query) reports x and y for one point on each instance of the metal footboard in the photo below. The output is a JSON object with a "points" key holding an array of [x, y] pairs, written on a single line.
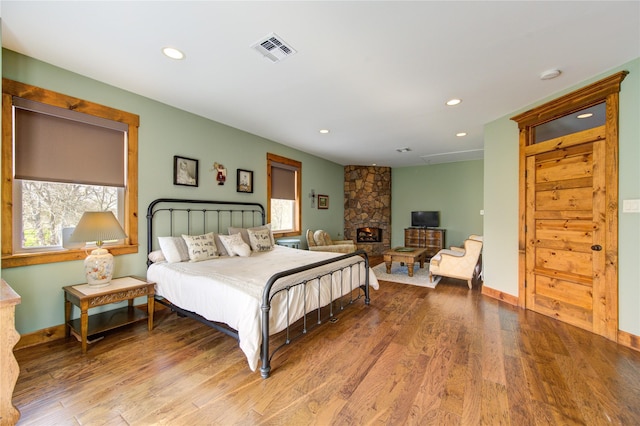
{"points": [[268, 296]]}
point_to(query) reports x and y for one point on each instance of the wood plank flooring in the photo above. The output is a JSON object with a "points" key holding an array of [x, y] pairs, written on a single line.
{"points": [[415, 356]]}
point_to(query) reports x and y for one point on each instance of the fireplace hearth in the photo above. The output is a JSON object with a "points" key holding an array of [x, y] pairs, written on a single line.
{"points": [[369, 235]]}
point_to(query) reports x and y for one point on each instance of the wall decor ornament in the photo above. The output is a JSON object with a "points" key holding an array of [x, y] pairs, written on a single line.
{"points": [[323, 201], [185, 171], [221, 173], [245, 181]]}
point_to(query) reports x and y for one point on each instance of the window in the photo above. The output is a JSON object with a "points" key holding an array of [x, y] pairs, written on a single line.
{"points": [[283, 195], [48, 178]]}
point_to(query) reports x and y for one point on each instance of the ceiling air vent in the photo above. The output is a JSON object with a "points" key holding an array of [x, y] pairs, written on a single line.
{"points": [[273, 48]]}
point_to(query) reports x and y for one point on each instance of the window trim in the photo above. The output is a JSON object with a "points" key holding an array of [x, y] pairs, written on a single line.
{"points": [[273, 158], [12, 88]]}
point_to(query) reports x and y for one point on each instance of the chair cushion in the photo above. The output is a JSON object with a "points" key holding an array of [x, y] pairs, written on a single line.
{"points": [[322, 238], [310, 241]]}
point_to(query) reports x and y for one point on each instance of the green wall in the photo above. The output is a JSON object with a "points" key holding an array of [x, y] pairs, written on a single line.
{"points": [[501, 199], [453, 189], [164, 132]]}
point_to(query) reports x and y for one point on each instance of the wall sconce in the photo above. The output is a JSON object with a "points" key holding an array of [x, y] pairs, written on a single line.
{"points": [[312, 195]]}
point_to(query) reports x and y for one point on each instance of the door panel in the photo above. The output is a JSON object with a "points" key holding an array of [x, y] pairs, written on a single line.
{"points": [[564, 213]]}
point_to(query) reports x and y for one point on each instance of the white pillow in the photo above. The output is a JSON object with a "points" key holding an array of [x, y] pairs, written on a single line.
{"points": [[174, 249], [219, 246], [234, 245], [245, 234], [260, 240], [201, 247], [156, 256]]}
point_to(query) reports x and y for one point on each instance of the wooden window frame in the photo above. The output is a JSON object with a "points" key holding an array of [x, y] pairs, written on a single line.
{"points": [[12, 88], [273, 158]]}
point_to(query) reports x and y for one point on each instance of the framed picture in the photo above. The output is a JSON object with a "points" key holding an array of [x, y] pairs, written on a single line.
{"points": [[323, 201], [245, 181], [185, 171]]}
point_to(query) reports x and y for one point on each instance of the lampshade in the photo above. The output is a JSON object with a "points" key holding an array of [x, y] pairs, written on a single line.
{"points": [[98, 227]]}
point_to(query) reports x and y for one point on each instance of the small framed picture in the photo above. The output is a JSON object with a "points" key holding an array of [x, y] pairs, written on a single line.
{"points": [[185, 171], [323, 201], [245, 181]]}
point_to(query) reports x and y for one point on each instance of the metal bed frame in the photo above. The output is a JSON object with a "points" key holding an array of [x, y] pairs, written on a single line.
{"points": [[181, 214]]}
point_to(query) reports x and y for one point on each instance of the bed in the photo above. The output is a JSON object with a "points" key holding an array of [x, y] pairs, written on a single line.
{"points": [[271, 291]]}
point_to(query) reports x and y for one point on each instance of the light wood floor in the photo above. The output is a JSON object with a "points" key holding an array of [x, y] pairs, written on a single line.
{"points": [[414, 356]]}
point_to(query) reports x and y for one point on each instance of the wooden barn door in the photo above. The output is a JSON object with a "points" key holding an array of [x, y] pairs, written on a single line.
{"points": [[568, 203], [565, 229]]}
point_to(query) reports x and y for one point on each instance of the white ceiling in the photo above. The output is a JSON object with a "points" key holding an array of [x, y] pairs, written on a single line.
{"points": [[376, 73]]}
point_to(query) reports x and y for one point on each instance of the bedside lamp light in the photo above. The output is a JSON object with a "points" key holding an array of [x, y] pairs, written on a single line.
{"points": [[98, 227]]}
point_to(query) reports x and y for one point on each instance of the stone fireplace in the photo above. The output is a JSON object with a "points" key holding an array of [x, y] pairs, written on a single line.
{"points": [[367, 207]]}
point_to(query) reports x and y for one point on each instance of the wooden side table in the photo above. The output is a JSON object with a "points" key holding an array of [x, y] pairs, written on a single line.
{"points": [[85, 297]]}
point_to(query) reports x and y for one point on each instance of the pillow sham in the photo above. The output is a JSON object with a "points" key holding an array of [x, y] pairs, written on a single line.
{"points": [[156, 256], [219, 246], [260, 239], [235, 245], [201, 247], [245, 234], [174, 249]]}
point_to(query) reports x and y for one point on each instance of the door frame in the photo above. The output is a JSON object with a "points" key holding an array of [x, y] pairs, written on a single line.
{"points": [[605, 90]]}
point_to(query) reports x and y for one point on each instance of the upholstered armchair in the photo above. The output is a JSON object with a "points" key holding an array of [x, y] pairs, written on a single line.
{"points": [[458, 262], [321, 241]]}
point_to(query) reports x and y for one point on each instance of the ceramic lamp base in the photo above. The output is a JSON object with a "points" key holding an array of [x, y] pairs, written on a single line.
{"points": [[99, 268]]}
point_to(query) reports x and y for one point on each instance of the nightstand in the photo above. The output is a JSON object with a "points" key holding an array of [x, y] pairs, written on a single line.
{"points": [[85, 297]]}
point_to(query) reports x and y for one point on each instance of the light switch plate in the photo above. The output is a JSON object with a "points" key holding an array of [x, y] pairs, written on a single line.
{"points": [[630, 206]]}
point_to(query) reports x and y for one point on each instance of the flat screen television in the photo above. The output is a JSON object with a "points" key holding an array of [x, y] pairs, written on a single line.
{"points": [[424, 219]]}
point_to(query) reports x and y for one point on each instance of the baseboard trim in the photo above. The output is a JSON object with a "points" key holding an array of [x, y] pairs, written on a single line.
{"points": [[497, 294], [39, 337], [629, 340]]}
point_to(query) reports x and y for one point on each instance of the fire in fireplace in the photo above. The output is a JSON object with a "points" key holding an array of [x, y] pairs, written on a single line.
{"points": [[369, 235]]}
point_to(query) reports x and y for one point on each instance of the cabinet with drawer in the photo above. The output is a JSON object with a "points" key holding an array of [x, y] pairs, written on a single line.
{"points": [[431, 239]]}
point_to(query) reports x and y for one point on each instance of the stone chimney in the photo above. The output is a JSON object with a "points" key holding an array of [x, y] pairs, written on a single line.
{"points": [[367, 204]]}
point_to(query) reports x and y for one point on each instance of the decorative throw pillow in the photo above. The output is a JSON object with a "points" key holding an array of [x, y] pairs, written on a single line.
{"points": [[201, 247], [245, 234], [174, 249], [156, 256], [260, 240], [234, 245]]}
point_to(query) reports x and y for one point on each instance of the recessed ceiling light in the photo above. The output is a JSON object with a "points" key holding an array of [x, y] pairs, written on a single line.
{"points": [[461, 134], [403, 149], [550, 74], [172, 53], [324, 131], [452, 102], [585, 115]]}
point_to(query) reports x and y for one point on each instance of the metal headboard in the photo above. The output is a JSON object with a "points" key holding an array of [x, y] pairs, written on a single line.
{"points": [[177, 216]]}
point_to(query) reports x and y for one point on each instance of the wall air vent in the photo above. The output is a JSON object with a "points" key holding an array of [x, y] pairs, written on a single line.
{"points": [[273, 48]]}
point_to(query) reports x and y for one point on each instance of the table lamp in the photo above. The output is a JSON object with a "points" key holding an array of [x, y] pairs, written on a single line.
{"points": [[98, 227]]}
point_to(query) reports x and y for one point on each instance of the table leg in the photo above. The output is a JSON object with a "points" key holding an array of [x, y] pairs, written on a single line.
{"points": [[84, 328], [410, 268], [388, 265], [150, 309], [67, 317]]}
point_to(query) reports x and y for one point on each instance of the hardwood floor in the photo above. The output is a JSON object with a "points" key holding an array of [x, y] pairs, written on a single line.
{"points": [[414, 356]]}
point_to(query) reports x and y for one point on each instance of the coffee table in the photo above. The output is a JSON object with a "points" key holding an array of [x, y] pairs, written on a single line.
{"points": [[408, 255]]}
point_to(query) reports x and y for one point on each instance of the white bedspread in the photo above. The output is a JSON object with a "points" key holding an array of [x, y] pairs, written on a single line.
{"points": [[229, 290]]}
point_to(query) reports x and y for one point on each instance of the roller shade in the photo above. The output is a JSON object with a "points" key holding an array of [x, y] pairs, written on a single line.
{"points": [[59, 145], [283, 182]]}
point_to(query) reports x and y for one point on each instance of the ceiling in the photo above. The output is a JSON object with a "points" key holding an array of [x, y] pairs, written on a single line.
{"points": [[376, 74]]}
